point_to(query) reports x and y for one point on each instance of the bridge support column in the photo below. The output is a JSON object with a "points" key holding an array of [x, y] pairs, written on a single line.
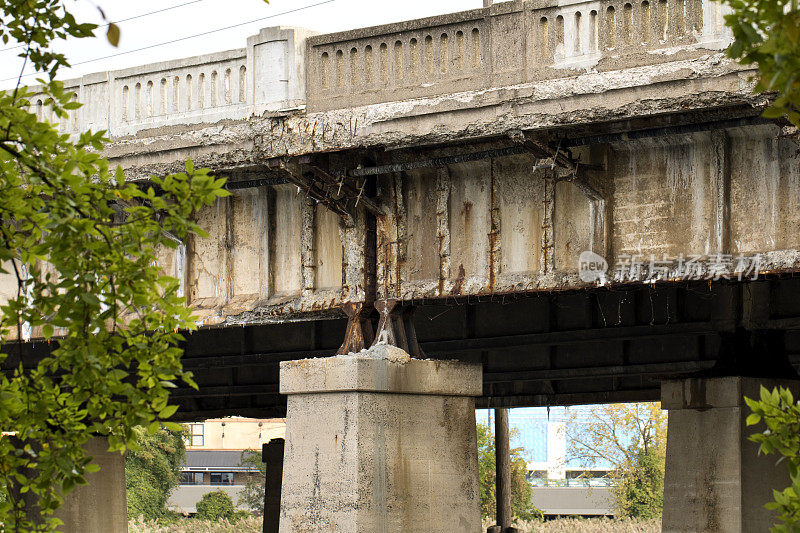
{"points": [[272, 455], [100, 506], [715, 480], [379, 442]]}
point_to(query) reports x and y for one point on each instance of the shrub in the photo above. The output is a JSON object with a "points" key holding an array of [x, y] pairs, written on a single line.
{"points": [[215, 505], [781, 415]]}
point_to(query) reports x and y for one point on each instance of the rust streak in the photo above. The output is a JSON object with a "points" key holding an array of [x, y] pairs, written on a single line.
{"points": [[458, 285], [494, 230]]}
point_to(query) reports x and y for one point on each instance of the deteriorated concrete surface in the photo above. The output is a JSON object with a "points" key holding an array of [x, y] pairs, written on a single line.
{"points": [[710, 81], [715, 478], [483, 227], [379, 442]]}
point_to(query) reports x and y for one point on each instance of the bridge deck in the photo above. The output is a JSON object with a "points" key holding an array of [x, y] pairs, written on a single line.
{"points": [[463, 164]]}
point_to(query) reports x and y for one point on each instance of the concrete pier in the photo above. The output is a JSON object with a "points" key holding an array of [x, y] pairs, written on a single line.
{"points": [[715, 480], [272, 455], [100, 506], [377, 442]]}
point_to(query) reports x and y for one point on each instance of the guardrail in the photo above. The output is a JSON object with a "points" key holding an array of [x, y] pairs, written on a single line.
{"points": [[505, 44], [266, 76]]}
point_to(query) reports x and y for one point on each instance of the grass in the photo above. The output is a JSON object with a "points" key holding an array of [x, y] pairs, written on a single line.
{"points": [[594, 525], [254, 524], [250, 524]]}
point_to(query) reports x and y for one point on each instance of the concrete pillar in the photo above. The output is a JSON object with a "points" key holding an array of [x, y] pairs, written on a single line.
{"points": [[100, 506], [377, 442], [715, 480], [272, 455]]}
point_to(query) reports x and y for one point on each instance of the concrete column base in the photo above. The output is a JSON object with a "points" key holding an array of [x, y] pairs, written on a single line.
{"points": [[715, 480], [100, 506], [377, 442]]}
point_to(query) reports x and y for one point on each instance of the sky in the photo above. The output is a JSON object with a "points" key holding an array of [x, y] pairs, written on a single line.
{"points": [[192, 17]]}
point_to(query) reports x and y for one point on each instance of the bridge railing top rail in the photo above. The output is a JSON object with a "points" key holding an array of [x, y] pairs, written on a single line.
{"points": [[505, 44]]}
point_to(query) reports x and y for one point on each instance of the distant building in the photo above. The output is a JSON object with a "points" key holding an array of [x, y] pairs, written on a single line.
{"points": [[560, 486], [213, 457]]}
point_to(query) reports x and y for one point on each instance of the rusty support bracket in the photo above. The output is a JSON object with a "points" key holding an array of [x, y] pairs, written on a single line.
{"points": [[344, 187], [358, 334], [296, 176], [396, 327]]}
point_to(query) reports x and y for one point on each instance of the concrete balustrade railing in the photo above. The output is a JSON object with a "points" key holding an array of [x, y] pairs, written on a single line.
{"points": [[506, 44], [195, 90], [266, 76]]}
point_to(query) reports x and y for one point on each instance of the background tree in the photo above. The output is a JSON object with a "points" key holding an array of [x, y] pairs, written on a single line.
{"points": [[215, 505], [252, 494], [153, 471], [780, 414], [80, 244], [521, 491], [632, 438], [767, 33]]}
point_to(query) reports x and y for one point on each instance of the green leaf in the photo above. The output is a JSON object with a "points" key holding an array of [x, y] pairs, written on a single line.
{"points": [[112, 34], [172, 426], [167, 412], [753, 419]]}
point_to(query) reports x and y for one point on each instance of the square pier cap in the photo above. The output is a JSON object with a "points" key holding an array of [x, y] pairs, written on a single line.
{"points": [[381, 368]]}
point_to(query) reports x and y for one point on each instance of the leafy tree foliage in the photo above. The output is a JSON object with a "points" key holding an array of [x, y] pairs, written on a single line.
{"points": [[80, 244], [640, 489], [252, 494], [215, 505], [781, 415], [767, 34], [521, 490], [153, 471], [632, 438]]}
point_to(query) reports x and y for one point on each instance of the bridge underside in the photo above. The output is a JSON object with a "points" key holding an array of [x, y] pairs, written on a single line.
{"points": [[571, 347]]}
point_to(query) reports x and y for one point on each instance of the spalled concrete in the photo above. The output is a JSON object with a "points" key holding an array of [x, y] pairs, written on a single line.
{"points": [[715, 479], [380, 442]]}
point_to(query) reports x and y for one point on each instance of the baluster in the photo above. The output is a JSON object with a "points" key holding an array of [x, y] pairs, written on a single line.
{"points": [[227, 85], [242, 84], [477, 53], [324, 69]]}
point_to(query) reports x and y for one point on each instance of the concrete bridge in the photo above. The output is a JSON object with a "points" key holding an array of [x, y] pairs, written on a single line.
{"points": [[581, 198]]}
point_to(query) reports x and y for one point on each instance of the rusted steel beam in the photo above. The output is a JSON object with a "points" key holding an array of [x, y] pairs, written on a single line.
{"points": [[359, 334], [666, 130], [295, 175], [348, 190], [569, 337], [544, 152], [248, 184], [198, 415], [253, 359], [566, 374], [644, 394], [267, 392], [438, 161], [396, 327]]}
